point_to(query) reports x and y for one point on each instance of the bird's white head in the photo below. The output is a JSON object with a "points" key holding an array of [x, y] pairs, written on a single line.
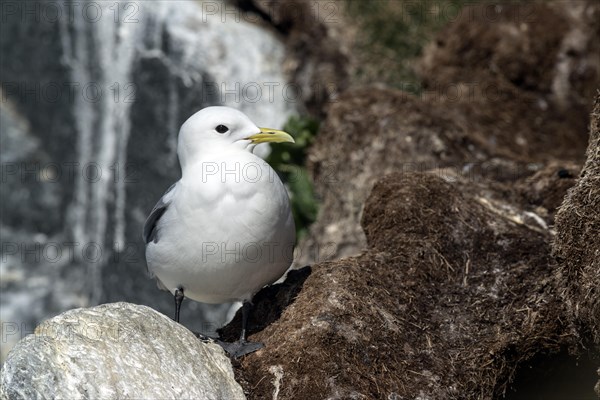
{"points": [[222, 129]]}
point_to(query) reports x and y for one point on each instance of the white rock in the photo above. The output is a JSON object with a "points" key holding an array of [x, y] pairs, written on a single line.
{"points": [[117, 350]]}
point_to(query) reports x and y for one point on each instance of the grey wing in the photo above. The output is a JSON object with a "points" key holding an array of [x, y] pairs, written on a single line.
{"points": [[150, 231]]}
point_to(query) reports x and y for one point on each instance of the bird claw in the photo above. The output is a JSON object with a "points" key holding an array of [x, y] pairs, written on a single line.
{"points": [[236, 349], [240, 348], [204, 338]]}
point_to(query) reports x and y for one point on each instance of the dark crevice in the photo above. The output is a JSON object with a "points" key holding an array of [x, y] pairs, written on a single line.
{"points": [[555, 377], [269, 304], [250, 6]]}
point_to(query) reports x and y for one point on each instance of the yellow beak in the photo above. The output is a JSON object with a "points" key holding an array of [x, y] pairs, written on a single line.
{"points": [[268, 135]]}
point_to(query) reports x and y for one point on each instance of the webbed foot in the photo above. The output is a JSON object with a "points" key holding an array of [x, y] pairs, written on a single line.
{"points": [[240, 348]]}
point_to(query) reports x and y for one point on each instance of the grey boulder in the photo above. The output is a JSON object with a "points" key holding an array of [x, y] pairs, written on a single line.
{"points": [[117, 350]]}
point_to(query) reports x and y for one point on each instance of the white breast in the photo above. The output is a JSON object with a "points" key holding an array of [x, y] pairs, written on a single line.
{"points": [[228, 232]]}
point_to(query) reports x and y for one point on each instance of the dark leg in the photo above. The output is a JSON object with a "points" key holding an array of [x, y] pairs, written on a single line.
{"points": [[246, 307], [242, 346], [178, 300]]}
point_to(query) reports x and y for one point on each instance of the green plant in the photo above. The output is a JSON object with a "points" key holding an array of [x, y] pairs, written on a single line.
{"points": [[288, 160]]}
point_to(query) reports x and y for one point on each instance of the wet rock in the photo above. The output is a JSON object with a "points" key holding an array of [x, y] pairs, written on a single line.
{"points": [[577, 242], [117, 350], [29, 190]]}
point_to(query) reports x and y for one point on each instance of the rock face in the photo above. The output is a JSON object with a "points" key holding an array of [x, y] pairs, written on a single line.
{"points": [[117, 350], [577, 242], [483, 110]]}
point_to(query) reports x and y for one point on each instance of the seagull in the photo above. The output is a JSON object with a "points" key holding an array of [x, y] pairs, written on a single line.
{"points": [[225, 229]]}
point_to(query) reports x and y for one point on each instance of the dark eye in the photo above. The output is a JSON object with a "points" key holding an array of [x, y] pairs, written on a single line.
{"points": [[222, 129]]}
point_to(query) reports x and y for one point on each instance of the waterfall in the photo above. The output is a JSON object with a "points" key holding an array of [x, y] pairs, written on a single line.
{"points": [[102, 125]]}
